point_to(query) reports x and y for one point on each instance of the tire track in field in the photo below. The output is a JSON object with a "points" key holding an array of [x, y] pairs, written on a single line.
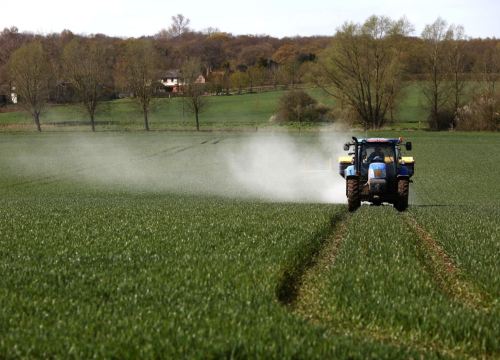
{"points": [[443, 270], [308, 292], [318, 252], [304, 297]]}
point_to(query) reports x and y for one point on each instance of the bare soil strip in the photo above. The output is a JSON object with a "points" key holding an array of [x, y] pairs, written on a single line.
{"points": [[444, 271]]}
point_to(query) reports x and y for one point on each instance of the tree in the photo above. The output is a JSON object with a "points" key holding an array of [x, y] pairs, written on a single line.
{"points": [[482, 113], [287, 56], [211, 31], [437, 90], [286, 53], [212, 51], [256, 76], [456, 59], [30, 71], [273, 74], [239, 80], [85, 68], [489, 67], [179, 26], [10, 40], [290, 72], [193, 91], [252, 54], [138, 73], [297, 105], [361, 65]]}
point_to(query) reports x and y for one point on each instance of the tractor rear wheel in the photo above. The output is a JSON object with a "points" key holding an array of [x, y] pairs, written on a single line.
{"points": [[353, 200], [401, 203]]}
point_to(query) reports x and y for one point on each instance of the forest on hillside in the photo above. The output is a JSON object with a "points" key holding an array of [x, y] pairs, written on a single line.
{"points": [[362, 65]]}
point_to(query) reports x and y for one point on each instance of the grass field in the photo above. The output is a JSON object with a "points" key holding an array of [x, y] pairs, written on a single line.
{"points": [[236, 111], [128, 244]]}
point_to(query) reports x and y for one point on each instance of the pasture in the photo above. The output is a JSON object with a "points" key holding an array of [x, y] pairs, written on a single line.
{"points": [[246, 111]]}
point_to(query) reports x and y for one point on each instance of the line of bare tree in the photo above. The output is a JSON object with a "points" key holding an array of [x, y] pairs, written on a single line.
{"points": [[365, 67]]}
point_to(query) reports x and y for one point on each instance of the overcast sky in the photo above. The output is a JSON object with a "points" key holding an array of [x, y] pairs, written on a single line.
{"points": [[132, 18]]}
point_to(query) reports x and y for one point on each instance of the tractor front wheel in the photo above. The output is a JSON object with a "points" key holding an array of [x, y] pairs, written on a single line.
{"points": [[353, 200], [401, 203]]}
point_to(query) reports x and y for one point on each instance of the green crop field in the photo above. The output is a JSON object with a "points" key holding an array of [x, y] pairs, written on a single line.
{"points": [[150, 245]]}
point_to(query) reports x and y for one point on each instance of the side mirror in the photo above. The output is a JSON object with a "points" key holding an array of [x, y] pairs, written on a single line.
{"points": [[346, 147], [408, 145]]}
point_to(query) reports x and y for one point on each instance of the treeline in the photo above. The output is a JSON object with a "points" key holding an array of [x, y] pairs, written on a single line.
{"points": [[365, 66]]}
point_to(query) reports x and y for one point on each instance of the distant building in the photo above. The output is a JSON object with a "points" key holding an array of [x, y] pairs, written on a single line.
{"points": [[13, 95], [200, 80], [8, 95], [172, 80]]}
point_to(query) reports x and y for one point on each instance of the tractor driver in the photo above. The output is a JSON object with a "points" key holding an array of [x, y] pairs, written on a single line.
{"points": [[376, 153]]}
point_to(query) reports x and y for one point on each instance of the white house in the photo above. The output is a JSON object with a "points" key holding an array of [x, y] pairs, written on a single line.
{"points": [[13, 95], [172, 80]]}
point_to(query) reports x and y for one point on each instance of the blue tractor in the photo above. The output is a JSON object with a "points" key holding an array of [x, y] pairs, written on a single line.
{"points": [[376, 172]]}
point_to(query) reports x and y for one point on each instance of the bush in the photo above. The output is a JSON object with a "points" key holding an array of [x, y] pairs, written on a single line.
{"points": [[443, 120], [297, 105], [482, 113], [346, 115]]}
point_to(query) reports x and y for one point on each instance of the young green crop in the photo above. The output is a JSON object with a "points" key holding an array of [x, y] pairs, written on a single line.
{"points": [[457, 199], [98, 264], [379, 284], [95, 269], [384, 281]]}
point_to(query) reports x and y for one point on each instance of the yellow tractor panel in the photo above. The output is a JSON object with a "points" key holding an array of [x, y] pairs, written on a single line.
{"points": [[345, 159], [407, 160]]}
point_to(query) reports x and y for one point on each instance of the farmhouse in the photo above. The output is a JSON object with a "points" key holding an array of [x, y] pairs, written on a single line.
{"points": [[173, 82]]}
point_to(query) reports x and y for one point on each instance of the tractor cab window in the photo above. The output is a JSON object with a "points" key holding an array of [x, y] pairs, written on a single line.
{"points": [[377, 153], [371, 153]]}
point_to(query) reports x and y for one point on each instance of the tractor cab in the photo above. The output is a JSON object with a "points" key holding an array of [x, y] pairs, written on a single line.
{"points": [[381, 153], [377, 172]]}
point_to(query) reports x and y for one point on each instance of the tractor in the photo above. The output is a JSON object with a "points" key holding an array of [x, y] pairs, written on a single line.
{"points": [[376, 172]]}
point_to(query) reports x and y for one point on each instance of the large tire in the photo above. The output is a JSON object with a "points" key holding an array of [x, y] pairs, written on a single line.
{"points": [[401, 203], [353, 200]]}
